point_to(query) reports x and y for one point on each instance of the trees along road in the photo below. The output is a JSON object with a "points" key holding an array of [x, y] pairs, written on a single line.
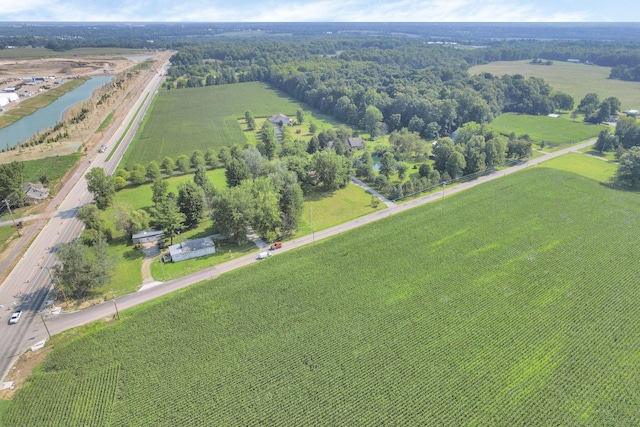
{"points": [[31, 274], [108, 309], [30, 281]]}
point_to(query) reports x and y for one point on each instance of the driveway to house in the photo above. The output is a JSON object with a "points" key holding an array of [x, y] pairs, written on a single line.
{"points": [[62, 322]]}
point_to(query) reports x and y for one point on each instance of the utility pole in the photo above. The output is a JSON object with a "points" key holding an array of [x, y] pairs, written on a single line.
{"points": [[116, 306], [12, 218], [45, 326]]}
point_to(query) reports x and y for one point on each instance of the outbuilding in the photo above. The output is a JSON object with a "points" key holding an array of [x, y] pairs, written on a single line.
{"points": [[147, 236], [192, 249]]}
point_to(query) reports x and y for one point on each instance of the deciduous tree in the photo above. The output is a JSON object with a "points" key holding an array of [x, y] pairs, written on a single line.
{"points": [[101, 186]]}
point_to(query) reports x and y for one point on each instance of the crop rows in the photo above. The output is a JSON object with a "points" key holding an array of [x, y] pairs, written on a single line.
{"points": [[522, 310]]}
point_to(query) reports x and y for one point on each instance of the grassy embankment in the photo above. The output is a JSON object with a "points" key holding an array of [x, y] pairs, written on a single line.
{"points": [[31, 105], [504, 305], [39, 53]]}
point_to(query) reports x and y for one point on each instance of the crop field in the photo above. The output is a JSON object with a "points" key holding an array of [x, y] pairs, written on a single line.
{"points": [[38, 53], [559, 132], [575, 79], [185, 120], [512, 304]]}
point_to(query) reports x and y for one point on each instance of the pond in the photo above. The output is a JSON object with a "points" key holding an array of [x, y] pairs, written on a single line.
{"points": [[48, 116]]}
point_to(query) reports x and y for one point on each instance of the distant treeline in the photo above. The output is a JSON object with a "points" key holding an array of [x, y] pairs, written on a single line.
{"points": [[423, 87]]}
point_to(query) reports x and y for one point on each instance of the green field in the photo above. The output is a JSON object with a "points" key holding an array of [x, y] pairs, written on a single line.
{"points": [[505, 305], [560, 132], [37, 53], [575, 79], [185, 120]]}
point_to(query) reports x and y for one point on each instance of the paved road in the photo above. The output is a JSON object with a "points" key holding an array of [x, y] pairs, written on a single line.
{"points": [[29, 283], [59, 323]]}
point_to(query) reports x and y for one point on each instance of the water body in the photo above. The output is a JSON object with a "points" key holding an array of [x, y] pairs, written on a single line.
{"points": [[48, 116]]}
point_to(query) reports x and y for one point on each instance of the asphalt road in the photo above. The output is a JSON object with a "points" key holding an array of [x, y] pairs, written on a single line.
{"points": [[29, 283]]}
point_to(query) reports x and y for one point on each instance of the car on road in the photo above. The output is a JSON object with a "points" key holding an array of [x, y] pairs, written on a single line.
{"points": [[276, 245], [263, 255], [15, 317]]}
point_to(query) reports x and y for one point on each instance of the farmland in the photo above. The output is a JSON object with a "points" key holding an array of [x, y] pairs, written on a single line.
{"points": [[575, 79], [559, 132], [185, 120], [521, 310]]}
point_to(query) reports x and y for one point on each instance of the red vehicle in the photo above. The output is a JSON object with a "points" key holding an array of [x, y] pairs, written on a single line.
{"points": [[276, 245]]}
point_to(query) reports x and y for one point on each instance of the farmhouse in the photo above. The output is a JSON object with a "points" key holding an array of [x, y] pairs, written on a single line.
{"points": [[279, 120], [192, 249], [35, 193], [147, 236], [355, 143]]}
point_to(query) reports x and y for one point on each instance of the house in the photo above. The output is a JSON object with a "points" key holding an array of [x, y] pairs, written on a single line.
{"points": [[355, 143], [35, 193], [147, 236], [192, 249], [279, 120]]}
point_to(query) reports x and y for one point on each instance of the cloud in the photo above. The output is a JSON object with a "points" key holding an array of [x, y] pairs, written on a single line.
{"points": [[300, 11]]}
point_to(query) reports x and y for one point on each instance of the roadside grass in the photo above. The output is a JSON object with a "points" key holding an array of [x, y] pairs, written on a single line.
{"points": [[585, 165], [31, 105], [4, 404], [7, 235], [557, 131], [38, 53], [608, 155], [182, 121], [509, 298], [105, 123], [575, 79]]}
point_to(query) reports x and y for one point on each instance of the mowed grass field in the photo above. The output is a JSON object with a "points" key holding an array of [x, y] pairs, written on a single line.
{"points": [[38, 53], [185, 120], [559, 132], [575, 79], [515, 303]]}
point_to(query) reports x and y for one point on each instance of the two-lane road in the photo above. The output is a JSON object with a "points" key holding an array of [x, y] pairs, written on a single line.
{"points": [[29, 283]]}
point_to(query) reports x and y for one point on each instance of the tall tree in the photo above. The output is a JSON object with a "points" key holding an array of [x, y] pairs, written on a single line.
{"points": [[266, 219], [82, 268], [160, 190], [182, 163], [153, 171], [11, 180], [455, 165], [191, 203], [629, 168], [268, 144], [168, 165], [300, 116], [371, 121], [167, 216], [233, 209], [236, 172], [387, 164], [101, 186], [332, 170], [131, 220]]}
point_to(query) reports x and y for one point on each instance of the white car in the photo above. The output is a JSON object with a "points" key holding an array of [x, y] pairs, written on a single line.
{"points": [[15, 317], [263, 255]]}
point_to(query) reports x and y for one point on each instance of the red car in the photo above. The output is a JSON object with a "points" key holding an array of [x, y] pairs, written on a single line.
{"points": [[276, 245]]}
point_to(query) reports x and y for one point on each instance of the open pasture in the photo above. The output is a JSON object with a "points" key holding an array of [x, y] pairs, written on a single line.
{"points": [[185, 120], [560, 132], [512, 304], [575, 79]]}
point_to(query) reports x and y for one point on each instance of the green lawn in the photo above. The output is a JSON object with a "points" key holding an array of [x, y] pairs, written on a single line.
{"points": [[575, 79], [7, 234], [560, 132], [185, 120], [506, 305], [585, 165]]}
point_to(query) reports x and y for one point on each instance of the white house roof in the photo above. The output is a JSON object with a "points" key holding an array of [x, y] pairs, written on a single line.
{"points": [[190, 245]]}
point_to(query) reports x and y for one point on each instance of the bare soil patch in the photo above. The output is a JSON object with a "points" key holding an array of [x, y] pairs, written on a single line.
{"points": [[22, 369]]}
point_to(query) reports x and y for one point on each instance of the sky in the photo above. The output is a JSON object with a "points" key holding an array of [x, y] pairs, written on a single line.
{"points": [[320, 10]]}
